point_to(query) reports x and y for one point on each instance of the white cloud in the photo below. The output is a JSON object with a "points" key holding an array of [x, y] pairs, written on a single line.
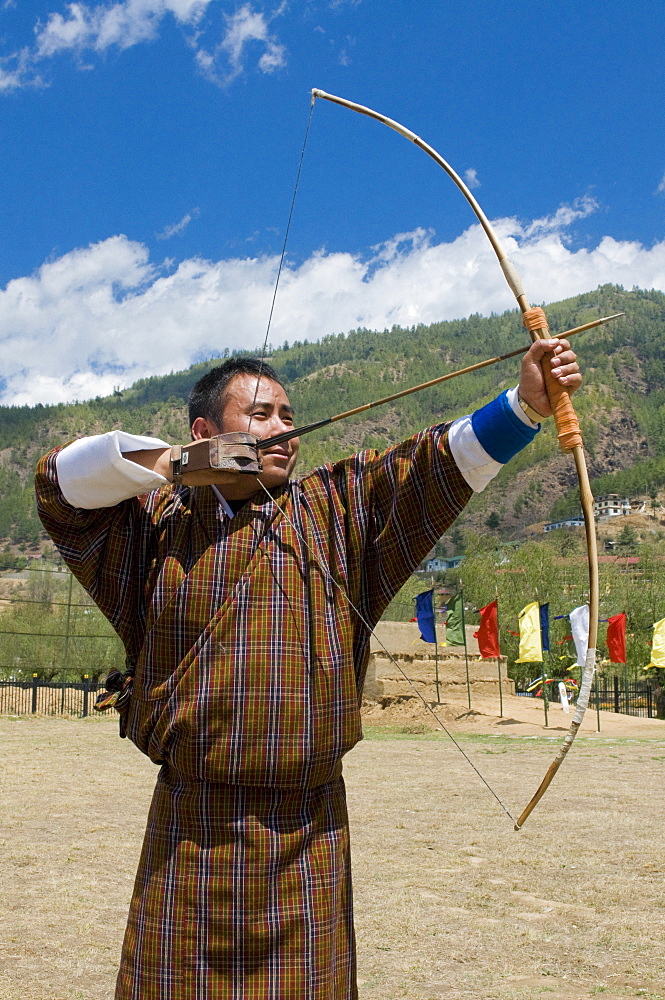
{"points": [[81, 28], [17, 70], [243, 28], [471, 178], [106, 315], [121, 24], [178, 227], [661, 187], [564, 216]]}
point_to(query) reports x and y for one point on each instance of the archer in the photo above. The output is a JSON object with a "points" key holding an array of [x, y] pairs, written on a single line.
{"points": [[245, 603]]}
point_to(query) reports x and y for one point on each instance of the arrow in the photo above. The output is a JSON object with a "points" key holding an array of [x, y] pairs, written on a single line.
{"points": [[308, 428]]}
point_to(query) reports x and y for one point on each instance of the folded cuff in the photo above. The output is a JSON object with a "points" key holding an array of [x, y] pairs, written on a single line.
{"points": [[500, 431], [92, 472]]}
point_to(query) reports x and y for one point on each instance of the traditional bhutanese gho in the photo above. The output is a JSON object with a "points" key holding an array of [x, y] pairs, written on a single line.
{"points": [[248, 666]]}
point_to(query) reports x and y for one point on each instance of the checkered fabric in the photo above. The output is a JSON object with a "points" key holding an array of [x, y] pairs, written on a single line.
{"points": [[249, 673], [242, 894]]}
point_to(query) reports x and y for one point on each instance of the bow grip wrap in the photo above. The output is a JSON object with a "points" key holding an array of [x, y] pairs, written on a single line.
{"points": [[234, 452], [565, 418]]}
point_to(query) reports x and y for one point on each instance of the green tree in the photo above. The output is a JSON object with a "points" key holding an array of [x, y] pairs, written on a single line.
{"points": [[627, 539], [51, 628]]}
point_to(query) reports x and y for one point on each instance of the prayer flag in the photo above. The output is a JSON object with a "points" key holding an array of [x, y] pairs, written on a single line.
{"points": [[425, 615], [488, 632], [531, 650], [616, 637], [658, 646], [579, 623], [545, 627], [455, 622]]}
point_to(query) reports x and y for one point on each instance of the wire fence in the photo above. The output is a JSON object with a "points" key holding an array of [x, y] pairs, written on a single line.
{"points": [[51, 631], [611, 694], [39, 697], [616, 694]]}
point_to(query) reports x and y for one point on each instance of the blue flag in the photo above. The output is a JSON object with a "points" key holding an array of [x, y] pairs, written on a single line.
{"points": [[545, 627], [425, 615]]}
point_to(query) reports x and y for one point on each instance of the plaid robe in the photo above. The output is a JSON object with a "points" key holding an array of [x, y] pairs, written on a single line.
{"points": [[249, 669]]}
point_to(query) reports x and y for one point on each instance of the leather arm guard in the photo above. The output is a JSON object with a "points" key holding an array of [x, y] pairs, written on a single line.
{"points": [[233, 452]]}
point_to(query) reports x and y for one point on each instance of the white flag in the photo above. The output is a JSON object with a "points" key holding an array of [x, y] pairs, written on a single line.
{"points": [[563, 697], [579, 624]]}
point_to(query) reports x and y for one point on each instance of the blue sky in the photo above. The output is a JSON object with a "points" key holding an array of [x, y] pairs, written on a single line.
{"points": [[149, 150]]}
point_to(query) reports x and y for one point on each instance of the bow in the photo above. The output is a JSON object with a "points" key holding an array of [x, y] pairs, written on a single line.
{"points": [[570, 437]]}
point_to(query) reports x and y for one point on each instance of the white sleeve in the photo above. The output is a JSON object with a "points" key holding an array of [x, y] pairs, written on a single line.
{"points": [[470, 457], [477, 467], [92, 472]]}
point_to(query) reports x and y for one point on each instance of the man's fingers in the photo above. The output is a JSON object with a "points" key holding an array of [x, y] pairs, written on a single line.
{"points": [[563, 362], [565, 368], [570, 379]]}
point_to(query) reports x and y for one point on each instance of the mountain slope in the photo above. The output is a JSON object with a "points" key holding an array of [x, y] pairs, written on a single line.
{"points": [[622, 406]]}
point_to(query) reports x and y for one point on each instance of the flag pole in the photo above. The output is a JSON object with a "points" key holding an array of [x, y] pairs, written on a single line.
{"points": [[540, 625], [498, 659], [551, 662], [436, 647], [466, 651]]}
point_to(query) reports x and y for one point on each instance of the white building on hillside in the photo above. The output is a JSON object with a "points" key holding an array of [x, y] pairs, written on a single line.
{"points": [[611, 505], [570, 522], [440, 564]]}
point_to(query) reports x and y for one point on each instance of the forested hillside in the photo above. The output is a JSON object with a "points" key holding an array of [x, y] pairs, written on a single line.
{"points": [[622, 406]]}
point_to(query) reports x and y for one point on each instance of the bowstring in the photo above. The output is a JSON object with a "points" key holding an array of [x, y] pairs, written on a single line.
{"points": [[282, 257], [321, 563]]}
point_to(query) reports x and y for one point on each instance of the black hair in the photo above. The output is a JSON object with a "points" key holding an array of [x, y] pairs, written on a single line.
{"points": [[207, 398]]}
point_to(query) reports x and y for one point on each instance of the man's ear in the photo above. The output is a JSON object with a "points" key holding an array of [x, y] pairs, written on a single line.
{"points": [[204, 428]]}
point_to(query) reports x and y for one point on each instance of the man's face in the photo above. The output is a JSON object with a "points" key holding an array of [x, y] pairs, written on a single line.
{"points": [[266, 416]]}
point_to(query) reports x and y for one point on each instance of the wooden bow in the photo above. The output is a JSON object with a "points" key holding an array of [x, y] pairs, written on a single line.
{"points": [[570, 437]]}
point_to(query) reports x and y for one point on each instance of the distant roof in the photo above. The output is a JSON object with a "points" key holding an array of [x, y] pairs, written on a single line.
{"points": [[620, 560]]}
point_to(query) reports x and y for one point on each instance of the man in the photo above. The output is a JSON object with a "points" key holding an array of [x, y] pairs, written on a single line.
{"points": [[245, 605]]}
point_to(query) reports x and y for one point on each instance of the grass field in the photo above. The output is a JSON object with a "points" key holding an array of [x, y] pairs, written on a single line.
{"points": [[450, 902]]}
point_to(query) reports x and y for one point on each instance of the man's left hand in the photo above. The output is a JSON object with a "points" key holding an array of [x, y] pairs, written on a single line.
{"points": [[563, 362]]}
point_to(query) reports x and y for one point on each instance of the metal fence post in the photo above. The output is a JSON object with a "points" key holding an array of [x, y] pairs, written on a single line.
{"points": [[86, 691], [616, 694], [34, 694], [65, 657]]}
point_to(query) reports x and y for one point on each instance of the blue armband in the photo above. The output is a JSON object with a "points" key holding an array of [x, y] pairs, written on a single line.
{"points": [[500, 431]]}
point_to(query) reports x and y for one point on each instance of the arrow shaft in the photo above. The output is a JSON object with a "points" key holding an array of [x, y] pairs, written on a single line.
{"points": [[308, 428]]}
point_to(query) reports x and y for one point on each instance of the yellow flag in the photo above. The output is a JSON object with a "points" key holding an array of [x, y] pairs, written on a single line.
{"points": [[658, 645], [531, 646]]}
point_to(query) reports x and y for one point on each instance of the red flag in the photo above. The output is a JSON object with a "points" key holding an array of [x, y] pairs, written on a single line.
{"points": [[488, 632], [616, 637]]}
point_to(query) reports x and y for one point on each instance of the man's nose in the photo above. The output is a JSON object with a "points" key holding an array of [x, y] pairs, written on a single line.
{"points": [[278, 425]]}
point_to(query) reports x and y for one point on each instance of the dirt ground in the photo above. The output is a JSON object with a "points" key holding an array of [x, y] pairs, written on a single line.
{"points": [[450, 902]]}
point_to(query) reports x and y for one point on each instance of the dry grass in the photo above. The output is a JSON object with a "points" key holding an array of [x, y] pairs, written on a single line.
{"points": [[450, 903]]}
